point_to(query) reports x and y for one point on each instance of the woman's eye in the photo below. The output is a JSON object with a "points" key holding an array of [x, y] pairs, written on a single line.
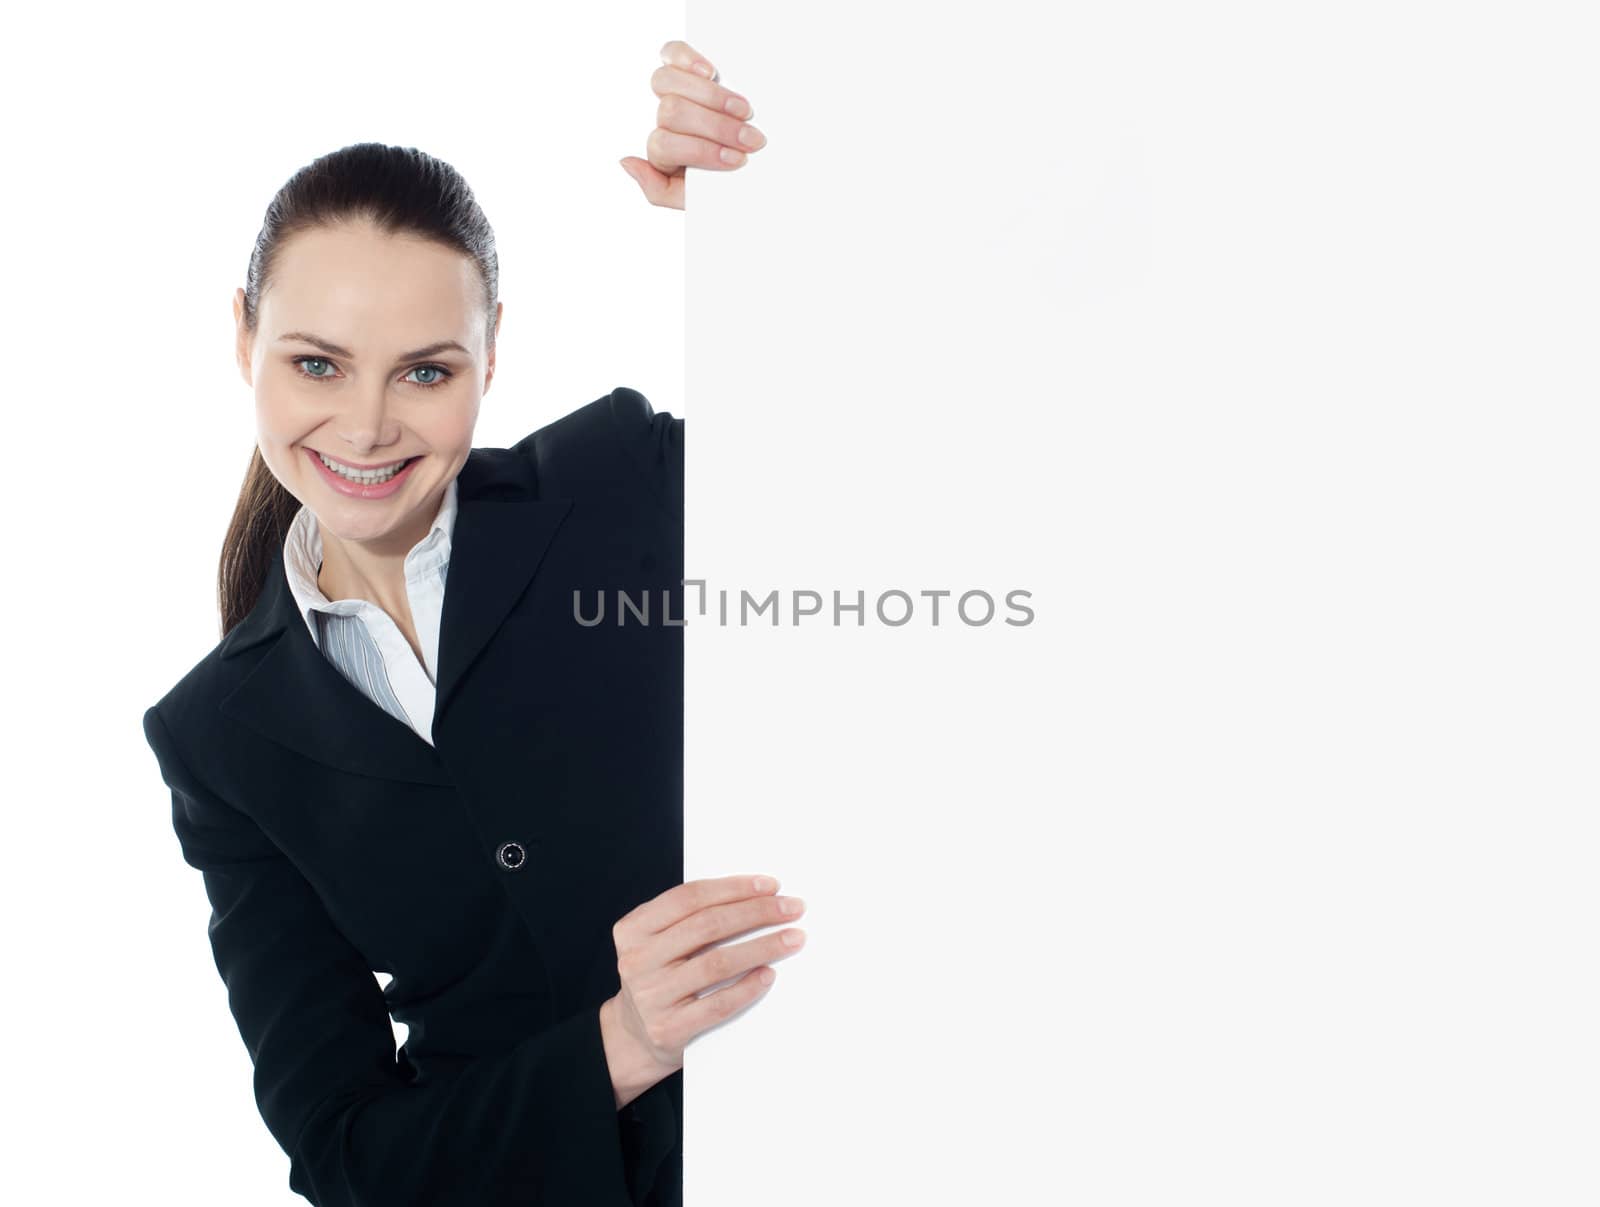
{"points": [[320, 368], [439, 371]]}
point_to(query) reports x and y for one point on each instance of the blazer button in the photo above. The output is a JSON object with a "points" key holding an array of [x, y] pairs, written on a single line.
{"points": [[511, 855]]}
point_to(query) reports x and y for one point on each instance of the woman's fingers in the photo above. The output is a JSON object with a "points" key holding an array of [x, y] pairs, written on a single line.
{"points": [[669, 1031], [695, 105], [676, 115], [699, 124], [659, 188], [704, 1013], [668, 908], [719, 923], [720, 963], [670, 81], [668, 952], [669, 151], [680, 54]]}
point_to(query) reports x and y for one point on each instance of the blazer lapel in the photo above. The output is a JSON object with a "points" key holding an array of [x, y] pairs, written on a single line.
{"points": [[496, 549], [297, 698]]}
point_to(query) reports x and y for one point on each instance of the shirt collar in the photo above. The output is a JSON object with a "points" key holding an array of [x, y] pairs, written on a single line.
{"points": [[302, 558]]}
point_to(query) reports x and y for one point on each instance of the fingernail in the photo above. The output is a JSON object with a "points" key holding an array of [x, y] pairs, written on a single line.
{"points": [[730, 156], [791, 905], [704, 69], [793, 938], [751, 137], [762, 883], [737, 106]]}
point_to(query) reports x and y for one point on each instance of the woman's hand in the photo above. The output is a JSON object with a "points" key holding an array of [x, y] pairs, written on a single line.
{"points": [[663, 964], [699, 124]]}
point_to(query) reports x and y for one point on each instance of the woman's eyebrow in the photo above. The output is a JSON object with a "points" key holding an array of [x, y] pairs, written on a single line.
{"points": [[333, 349]]}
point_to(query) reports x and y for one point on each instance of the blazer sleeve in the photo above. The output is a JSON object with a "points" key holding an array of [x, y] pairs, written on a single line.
{"points": [[535, 1125]]}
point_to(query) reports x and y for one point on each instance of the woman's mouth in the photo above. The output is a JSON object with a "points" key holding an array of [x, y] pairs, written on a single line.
{"points": [[371, 483]]}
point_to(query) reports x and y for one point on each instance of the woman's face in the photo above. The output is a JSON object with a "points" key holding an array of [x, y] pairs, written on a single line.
{"points": [[369, 349]]}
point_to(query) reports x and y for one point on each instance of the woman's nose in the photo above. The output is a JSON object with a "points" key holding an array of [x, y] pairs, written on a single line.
{"points": [[364, 424]]}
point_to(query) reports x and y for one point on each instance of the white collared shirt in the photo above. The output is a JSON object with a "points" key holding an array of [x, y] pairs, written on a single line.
{"points": [[360, 638]]}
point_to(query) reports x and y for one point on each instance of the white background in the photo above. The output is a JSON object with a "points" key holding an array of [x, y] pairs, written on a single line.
{"points": [[144, 145], [1256, 341]]}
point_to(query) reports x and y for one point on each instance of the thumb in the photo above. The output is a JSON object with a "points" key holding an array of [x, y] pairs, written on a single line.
{"points": [[631, 167], [656, 186]]}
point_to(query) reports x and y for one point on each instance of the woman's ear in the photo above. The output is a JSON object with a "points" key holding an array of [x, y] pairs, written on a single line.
{"points": [[241, 341], [488, 373]]}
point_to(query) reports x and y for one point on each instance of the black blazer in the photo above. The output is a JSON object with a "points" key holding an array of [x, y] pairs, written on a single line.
{"points": [[335, 842]]}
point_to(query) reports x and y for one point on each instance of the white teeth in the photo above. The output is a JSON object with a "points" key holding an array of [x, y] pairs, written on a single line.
{"points": [[364, 477]]}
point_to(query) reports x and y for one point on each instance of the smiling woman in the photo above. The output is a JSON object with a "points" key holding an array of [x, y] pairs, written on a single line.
{"points": [[404, 755], [372, 348]]}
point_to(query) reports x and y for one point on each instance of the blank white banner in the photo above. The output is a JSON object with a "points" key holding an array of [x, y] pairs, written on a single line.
{"points": [[1255, 343]]}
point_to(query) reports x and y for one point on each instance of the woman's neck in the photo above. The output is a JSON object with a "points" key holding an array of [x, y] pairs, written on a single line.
{"points": [[370, 570]]}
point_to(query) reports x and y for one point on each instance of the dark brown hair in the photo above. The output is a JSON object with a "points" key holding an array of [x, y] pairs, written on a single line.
{"points": [[401, 190]]}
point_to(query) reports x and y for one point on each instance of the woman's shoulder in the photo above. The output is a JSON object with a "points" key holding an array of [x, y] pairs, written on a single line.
{"points": [[187, 715], [618, 441], [618, 421]]}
